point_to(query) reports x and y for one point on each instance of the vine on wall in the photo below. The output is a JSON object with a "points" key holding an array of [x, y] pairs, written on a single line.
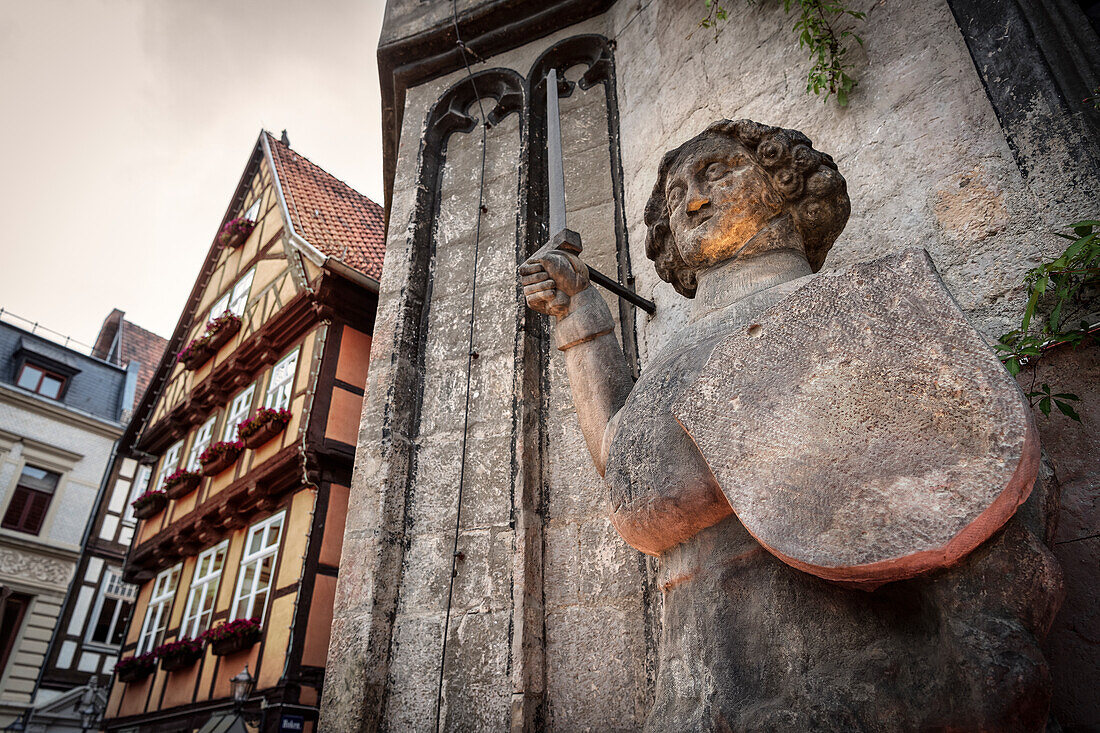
{"points": [[817, 30], [1062, 296]]}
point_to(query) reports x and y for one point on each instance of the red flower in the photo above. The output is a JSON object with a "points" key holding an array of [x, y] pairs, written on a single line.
{"points": [[215, 451], [180, 474], [148, 660], [242, 627], [147, 497], [260, 418], [181, 648], [236, 226]]}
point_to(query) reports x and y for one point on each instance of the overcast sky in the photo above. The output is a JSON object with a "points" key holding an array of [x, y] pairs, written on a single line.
{"points": [[127, 123]]}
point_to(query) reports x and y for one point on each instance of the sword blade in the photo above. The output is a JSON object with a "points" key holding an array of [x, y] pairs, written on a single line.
{"points": [[555, 171]]}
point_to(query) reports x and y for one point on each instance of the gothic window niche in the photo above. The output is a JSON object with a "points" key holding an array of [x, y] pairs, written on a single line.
{"points": [[453, 422], [588, 108], [593, 166]]}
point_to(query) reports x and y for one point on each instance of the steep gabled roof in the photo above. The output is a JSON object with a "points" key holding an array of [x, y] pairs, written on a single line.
{"points": [[307, 184], [328, 213]]}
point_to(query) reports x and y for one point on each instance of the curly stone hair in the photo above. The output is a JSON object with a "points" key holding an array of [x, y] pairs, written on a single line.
{"points": [[815, 194]]}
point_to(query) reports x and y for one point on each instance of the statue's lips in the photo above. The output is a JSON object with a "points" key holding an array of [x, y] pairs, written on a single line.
{"points": [[701, 219]]}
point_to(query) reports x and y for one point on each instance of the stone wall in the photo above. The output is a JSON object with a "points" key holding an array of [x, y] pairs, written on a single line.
{"points": [[549, 618]]}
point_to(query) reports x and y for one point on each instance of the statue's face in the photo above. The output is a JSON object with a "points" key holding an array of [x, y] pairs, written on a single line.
{"points": [[718, 198]]}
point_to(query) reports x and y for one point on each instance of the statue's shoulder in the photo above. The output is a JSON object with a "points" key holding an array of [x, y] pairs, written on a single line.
{"points": [[861, 428]]}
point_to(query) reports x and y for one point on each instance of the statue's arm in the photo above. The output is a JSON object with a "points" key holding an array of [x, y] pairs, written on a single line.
{"points": [[599, 377]]}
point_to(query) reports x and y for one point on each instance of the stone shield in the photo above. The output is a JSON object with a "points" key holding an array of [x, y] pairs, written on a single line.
{"points": [[861, 429]]}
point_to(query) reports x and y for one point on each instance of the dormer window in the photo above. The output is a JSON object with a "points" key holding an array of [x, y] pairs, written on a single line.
{"points": [[41, 380]]}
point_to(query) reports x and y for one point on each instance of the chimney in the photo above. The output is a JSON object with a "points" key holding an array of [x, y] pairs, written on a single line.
{"points": [[285, 140]]}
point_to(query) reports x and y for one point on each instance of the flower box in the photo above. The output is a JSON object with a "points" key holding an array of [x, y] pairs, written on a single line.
{"points": [[264, 425], [220, 330], [196, 353], [219, 456], [178, 655], [134, 669], [235, 232], [233, 637], [150, 504], [181, 483]]}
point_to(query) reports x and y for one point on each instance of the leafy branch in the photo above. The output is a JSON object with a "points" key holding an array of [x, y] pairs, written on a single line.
{"points": [[1094, 99], [816, 30], [1061, 297]]}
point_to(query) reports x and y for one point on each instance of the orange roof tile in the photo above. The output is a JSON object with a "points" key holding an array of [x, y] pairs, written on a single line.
{"points": [[329, 214]]}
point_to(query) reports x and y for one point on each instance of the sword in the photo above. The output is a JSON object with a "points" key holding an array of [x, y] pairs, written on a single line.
{"points": [[561, 237]]}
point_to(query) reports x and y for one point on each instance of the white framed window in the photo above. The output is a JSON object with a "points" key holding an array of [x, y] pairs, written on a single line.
{"points": [[261, 548], [238, 410], [239, 294], [282, 382], [236, 299], [169, 463], [112, 609], [221, 306], [253, 210], [202, 439], [141, 483], [160, 606], [204, 591]]}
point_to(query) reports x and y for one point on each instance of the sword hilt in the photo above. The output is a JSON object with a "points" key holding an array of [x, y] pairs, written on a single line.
{"points": [[566, 240]]}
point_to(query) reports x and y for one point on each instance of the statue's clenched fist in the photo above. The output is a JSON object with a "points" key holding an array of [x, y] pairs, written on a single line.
{"points": [[549, 280]]}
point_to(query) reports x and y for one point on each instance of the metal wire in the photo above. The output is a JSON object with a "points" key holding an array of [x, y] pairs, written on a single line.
{"points": [[469, 368]]}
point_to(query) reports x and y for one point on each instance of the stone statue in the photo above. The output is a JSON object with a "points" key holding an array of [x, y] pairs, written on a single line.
{"points": [[834, 470]]}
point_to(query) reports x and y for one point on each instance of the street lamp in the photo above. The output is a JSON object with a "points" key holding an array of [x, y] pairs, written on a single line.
{"points": [[241, 685]]}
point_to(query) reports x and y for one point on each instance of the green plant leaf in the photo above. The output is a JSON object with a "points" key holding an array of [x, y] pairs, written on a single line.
{"points": [[1066, 409], [1044, 405]]}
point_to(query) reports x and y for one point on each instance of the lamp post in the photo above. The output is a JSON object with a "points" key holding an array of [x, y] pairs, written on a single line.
{"points": [[241, 687]]}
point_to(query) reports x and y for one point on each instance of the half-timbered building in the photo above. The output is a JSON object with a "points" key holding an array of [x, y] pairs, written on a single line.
{"points": [[247, 434]]}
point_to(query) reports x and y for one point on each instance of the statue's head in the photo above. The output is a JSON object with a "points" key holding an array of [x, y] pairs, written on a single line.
{"points": [[717, 190]]}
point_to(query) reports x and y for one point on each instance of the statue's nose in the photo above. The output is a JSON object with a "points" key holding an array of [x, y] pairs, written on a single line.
{"points": [[696, 203]]}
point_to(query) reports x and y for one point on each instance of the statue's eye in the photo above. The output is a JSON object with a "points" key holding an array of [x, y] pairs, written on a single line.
{"points": [[715, 171], [675, 196]]}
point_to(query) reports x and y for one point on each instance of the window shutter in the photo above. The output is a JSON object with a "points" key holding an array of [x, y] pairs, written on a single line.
{"points": [[39, 503], [27, 510], [13, 517]]}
